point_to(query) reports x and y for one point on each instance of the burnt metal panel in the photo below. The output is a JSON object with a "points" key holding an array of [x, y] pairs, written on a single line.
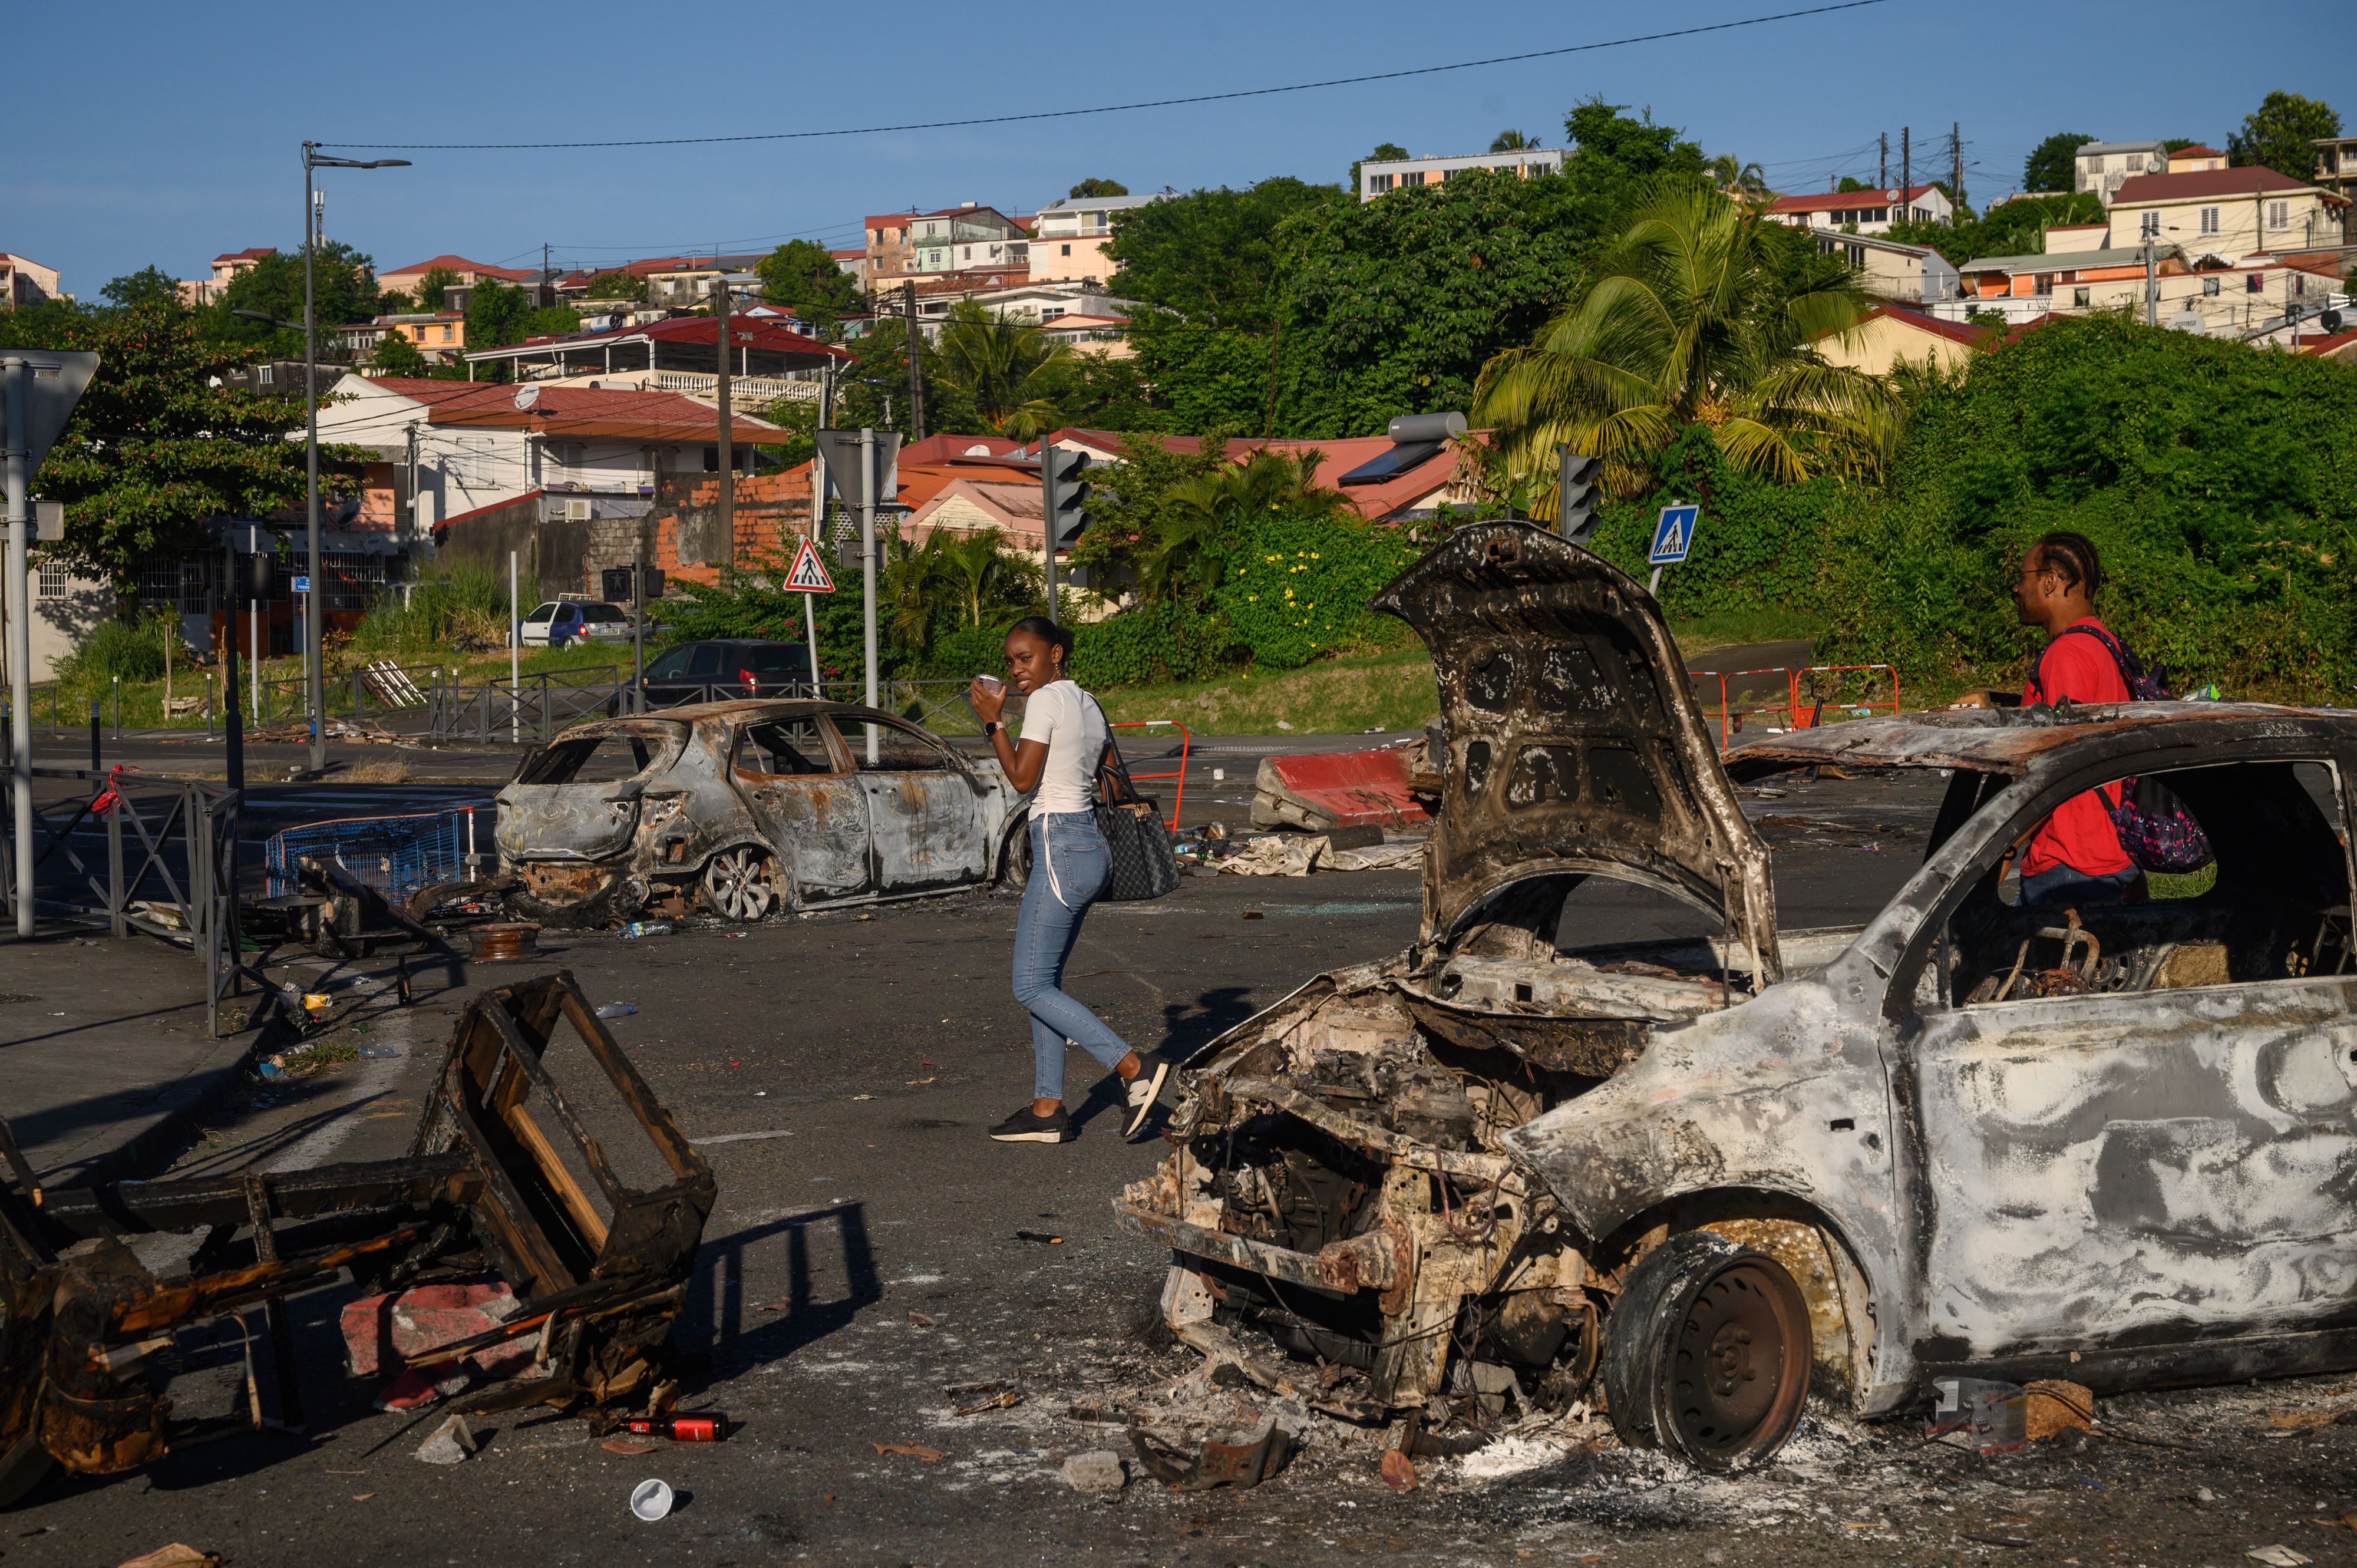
{"points": [[1574, 743]]}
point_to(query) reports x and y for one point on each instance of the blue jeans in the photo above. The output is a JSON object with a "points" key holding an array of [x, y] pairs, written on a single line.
{"points": [[1069, 867], [2059, 884]]}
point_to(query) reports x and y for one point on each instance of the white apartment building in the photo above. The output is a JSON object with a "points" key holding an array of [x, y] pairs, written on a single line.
{"points": [[1377, 177]]}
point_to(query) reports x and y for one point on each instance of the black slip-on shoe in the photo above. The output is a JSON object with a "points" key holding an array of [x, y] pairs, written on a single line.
{"points": [[1143, 1091], [1027, 1126]]}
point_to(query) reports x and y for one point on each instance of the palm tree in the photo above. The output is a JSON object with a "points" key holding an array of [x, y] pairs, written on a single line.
{"points": [[1687, 322], [1179, 557], [1006, 367], [978, 564], [1512, 142], [1732, 174]]}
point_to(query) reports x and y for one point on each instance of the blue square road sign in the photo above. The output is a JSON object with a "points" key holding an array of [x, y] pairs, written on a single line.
{"points": [[1673, 535]]}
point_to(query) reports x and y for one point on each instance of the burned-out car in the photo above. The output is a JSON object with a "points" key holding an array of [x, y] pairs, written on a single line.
{"points": [[743, 807], [2111, 1144]]}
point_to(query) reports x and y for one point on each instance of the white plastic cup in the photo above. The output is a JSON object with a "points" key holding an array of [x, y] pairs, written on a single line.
{"points": [[651, 1500]]}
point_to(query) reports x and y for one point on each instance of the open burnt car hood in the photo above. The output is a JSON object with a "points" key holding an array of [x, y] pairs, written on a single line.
{"points": [[1574, 743]]}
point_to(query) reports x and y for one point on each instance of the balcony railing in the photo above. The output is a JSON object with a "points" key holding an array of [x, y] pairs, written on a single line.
{"points": [[757, 389]]}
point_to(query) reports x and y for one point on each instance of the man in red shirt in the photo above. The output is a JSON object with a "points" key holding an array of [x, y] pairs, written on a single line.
{"points": [[2074, 856]]}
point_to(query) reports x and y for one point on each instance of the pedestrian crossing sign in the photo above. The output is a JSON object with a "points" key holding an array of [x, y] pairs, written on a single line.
{"points": [[1673, 535], [808, 575]]}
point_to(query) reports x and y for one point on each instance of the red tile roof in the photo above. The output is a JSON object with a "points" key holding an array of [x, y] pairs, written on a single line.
{"points": [[1968, 332], [575, 411], [2328, 345], [889, 219], [460, 264], [1844, 198], [2194, 184], [847, 255], [250, 253], [2197, 152]]}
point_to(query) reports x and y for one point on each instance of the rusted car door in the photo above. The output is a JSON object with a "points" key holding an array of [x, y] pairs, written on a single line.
{"points": [[809, 806], [2170, 1156], [924, 809]]}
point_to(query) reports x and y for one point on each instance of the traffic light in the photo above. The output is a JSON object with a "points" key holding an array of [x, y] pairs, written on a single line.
{"points": [[260, 575], [1578, 479], [1067, 495]]}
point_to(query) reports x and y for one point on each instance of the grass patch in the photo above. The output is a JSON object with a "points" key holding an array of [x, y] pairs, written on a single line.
{"points": [[1728, 629], [1388, 691]]}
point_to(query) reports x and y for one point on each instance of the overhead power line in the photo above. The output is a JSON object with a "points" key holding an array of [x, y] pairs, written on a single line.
{"points": [[1106, 108]]}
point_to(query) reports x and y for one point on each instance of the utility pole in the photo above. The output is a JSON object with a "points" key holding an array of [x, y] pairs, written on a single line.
{"points": [[1906, 159], [1957, 164], [314, 579], [819, 480], [915, 376], [728, 457], [413, 479], [2151, 278], [1882, 165], [18, 477], [871, 481]]}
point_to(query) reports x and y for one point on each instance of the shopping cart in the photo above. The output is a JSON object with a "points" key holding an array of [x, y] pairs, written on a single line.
{"points": [[396, 855]]}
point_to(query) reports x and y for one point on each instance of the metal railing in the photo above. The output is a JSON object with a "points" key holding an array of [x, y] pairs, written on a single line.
{"points": [[183, 888]]}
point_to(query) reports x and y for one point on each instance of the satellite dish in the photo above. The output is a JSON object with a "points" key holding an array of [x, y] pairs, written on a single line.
{"points": [[2329, 321], [525, 397], [1895, 196]]}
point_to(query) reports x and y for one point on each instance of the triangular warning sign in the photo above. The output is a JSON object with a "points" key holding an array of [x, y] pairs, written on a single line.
{"points": [[1671, 544], [808, 575]]}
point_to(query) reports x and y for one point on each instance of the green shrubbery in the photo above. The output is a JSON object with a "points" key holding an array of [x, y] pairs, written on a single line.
{"points": [[2215, 478], [1297, 589], [130, 650], [459, 606]]}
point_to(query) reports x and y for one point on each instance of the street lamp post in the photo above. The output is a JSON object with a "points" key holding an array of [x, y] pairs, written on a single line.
{"points": [[723, 292], [313, 159]]}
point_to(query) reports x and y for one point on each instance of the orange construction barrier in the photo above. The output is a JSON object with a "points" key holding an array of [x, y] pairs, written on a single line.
{"points": [[1185, 740], [1823, 686], [1730, 717]]}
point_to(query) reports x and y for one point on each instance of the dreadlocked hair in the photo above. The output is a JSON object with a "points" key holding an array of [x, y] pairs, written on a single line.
{"points": [[2073, 555]]}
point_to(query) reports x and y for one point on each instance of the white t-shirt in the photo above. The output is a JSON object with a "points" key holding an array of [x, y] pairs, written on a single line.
{"points": [[1068, 720]]}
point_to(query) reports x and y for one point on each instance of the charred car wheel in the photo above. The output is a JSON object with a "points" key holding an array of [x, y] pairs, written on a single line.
{"points": [[1014, 856], [736, 885], [1707, 1353]]}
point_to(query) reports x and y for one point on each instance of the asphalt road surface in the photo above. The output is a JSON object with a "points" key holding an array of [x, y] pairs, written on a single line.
{"points": [[840, 1072]]}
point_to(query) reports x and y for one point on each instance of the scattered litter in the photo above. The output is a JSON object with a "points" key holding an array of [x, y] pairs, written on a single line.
{"points": [[862, 1097], [627, 1447], [1283, 726], [177, 1555], [1099, 1471], [450, 1443], [999, 1394], [637, 929], [1989, 1540], [1252, 1457], [2276, 1556], [913, 1450], [735, 936], [680, 1428], [1040, 1235], [363, 1497], [651, 1500], [616, 1010], [1255, 915], [1992, 1415], [316, 1001], [913, 1082], [922, 1320], [1399, 1471]]}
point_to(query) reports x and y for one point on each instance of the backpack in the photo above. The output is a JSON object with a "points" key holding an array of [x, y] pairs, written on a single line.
{"points": [[2156, 830]]}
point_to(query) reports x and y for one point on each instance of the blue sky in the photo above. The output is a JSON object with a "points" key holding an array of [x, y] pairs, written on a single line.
{"points": [[169, 135]]}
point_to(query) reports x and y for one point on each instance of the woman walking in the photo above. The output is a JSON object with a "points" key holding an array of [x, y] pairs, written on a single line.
{"points": [[1064, 737]]}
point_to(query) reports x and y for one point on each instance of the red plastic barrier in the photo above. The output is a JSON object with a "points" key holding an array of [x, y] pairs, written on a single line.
{"points": [[1357, 788]]}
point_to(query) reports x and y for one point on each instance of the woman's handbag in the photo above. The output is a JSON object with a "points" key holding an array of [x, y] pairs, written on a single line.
{"points": [[1136, 841]]}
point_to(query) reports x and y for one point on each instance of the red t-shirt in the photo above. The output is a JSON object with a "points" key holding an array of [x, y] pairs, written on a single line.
{"points": [[2080, 833]]}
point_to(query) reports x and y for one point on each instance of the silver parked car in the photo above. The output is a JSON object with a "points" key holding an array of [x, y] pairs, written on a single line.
{"points": [[2113, 1143], [741, 808]]}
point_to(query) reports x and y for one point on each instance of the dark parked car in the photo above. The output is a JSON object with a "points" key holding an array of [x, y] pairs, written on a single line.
{"points": [[725, 670]]}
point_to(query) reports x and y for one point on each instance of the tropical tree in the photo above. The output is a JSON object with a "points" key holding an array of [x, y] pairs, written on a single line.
{"points": [[1094, 188], [1511, 141], [1688, 320], [427, 295], [1181, 557], [1731, 175], [1006, 367], [2281, 133], [2054, 164], [978, 565], [618, 285], [804, 277], [396, 355]]}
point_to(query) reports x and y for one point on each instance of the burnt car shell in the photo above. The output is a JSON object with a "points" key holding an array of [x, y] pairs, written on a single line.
{"points": [[1471, 1174], [744, 807]]}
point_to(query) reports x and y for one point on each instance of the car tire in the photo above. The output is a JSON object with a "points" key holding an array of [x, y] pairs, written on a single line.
{"points": [[1014, 857], [736, 884], [1707, 1354]]}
